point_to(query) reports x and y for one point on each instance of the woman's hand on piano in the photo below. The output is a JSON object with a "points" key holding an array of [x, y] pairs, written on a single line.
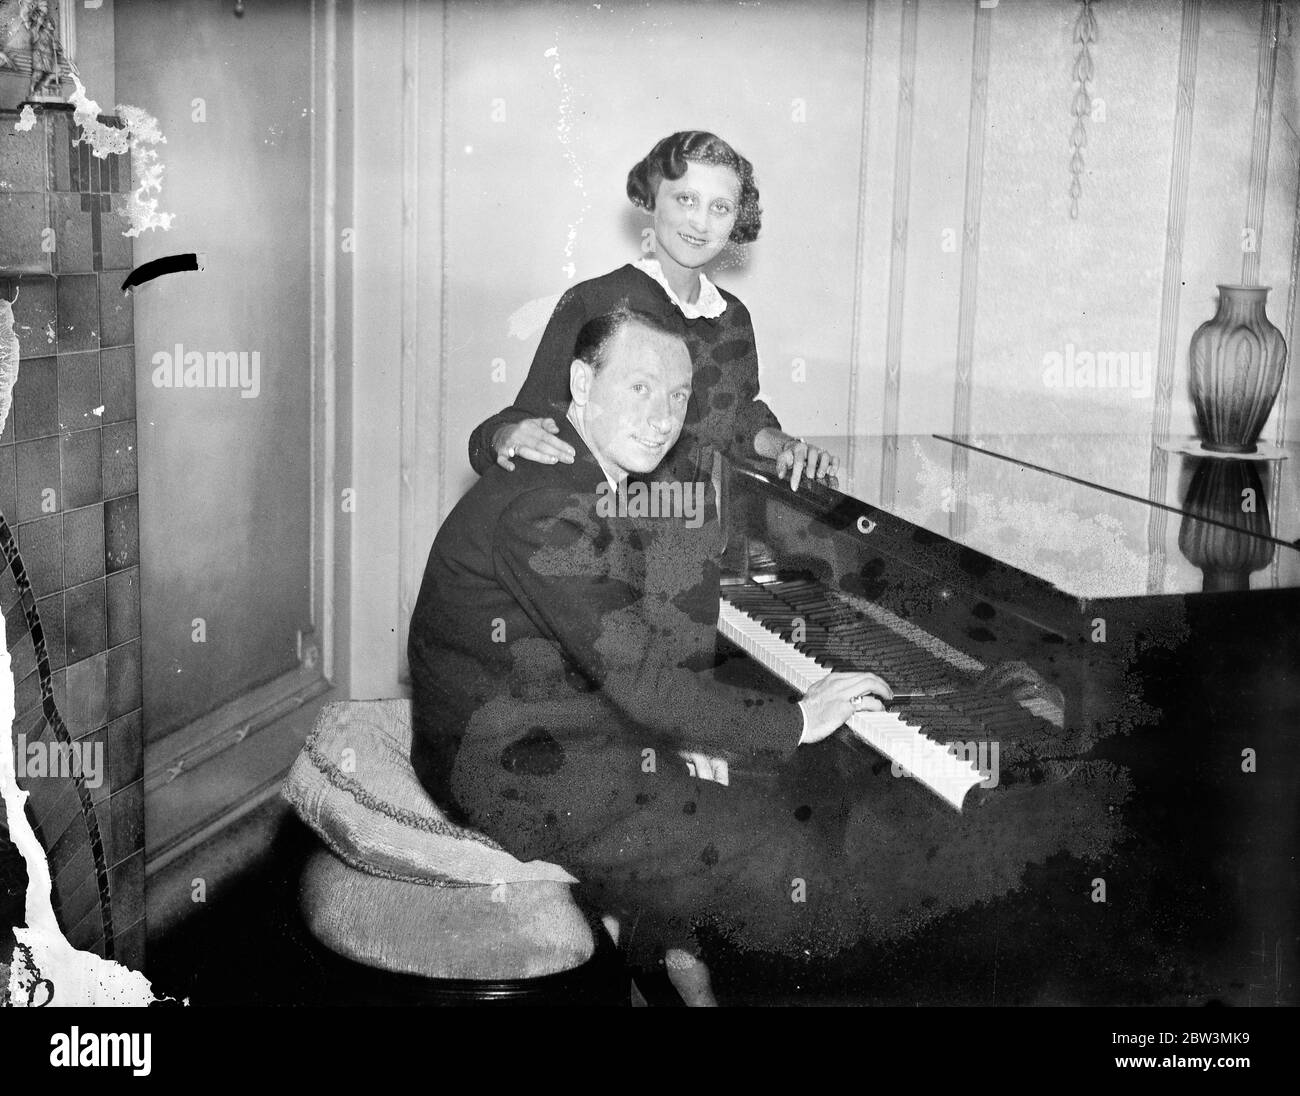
{"points": [[829, 704], [800, 459], [794, 456], [532, 439]]}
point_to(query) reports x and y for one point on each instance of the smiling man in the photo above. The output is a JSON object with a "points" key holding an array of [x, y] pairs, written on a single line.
{"points": [[629, 415], [562, 660]]}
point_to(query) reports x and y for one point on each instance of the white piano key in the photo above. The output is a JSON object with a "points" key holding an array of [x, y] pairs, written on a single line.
{"points": [[888, 733]]}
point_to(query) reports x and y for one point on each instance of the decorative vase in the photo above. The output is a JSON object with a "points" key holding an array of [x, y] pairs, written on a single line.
{"points": [[1237, 360], [1225, 529]]}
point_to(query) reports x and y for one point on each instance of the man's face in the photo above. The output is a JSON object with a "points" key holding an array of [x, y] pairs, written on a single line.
{"points": [[636, 403]]}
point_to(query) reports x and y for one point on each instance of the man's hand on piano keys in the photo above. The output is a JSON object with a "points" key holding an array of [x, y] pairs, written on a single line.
{"points": [[829, 704]]}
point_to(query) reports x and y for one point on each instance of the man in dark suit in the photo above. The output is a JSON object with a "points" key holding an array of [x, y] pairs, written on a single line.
{"points": [[561, 652]]}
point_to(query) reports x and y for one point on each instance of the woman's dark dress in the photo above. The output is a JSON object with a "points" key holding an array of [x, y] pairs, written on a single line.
{"points": [[723, 414]]}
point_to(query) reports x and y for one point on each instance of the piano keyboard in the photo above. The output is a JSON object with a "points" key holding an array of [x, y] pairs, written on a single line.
{"points": [[889, 734], [964, 709]]}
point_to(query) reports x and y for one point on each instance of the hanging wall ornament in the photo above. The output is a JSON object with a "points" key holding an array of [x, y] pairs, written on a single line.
{"points": [[1085, 34]]}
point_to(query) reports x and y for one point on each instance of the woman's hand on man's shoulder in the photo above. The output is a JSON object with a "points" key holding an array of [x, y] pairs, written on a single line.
{"points": [[533, 439]]}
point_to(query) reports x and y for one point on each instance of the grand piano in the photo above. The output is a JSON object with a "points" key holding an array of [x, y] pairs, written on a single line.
{"points": [[1103, 636]]}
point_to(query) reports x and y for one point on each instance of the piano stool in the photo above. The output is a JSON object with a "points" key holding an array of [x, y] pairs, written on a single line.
{"points": [[403, 907]]}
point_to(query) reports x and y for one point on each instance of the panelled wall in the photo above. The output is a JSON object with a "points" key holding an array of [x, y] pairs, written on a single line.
{"points": [[235, 525], [920, 262], [225, 471]]}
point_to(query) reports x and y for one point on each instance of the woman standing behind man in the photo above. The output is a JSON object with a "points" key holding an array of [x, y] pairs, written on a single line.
{"points": [[701, 194]]}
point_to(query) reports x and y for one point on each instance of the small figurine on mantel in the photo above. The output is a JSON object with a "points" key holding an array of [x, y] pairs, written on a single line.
{"points": [[30, 34]]}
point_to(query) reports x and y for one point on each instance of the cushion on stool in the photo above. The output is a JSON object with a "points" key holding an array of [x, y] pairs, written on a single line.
{"points": [[354, 785], [523, 930]]}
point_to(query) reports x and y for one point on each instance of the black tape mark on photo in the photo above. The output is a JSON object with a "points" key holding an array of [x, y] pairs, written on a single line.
{"points": [[155, 268]]}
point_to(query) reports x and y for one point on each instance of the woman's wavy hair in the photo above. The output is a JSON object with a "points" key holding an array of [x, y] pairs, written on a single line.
{"points": [[668, 160]]}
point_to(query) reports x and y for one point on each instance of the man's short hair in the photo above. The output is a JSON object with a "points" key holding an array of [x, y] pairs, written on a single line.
{"points": [[598, 333]]}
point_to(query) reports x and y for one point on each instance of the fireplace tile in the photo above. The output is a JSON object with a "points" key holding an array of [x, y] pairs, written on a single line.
{"points": [[126, 749], [79, 390], [80, 913], [86, 687], [70, 857], [34, 314], [8, 488], [38, 480], [75, 866], [54, 804], [41, 544], [22, 658], [117, 383], [129, 944], [123, 679], [85, 622], [83, 481], [15, 626], [126, 882], [78, 302], [59, 689], [122, 592], [9, 592], [22, 219], [97, 740], [27, 696], [62, 816], [81, 902], [127, 806], [35, 410], [119, 459], [61, 155], [83, 545], [22, 157], [117, 322], [116, 252], [51, 610], [74, 249], [122, 533]]}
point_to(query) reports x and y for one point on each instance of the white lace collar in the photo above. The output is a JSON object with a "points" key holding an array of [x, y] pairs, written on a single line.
{"points": [[710, 303]]}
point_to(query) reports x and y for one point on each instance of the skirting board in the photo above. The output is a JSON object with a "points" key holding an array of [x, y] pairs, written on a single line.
{"points": [[230, 853], [231, 841]]}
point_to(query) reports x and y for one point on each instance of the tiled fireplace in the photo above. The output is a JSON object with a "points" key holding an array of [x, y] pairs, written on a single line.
{"points": [[70, 533]]}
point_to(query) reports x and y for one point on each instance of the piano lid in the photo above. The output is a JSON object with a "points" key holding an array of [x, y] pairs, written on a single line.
{"points": [[1095, 516]]}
